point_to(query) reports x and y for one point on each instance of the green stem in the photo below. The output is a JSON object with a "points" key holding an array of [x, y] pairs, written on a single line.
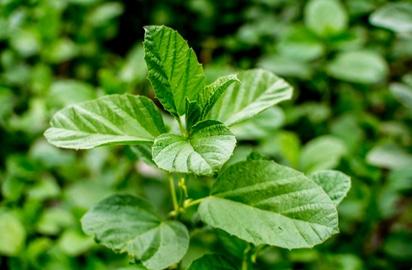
{"points": [[174, 197], [246, 262], [183, 187], [181, 127], [189, 203]]}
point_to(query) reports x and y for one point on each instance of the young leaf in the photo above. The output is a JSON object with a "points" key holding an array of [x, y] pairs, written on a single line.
{"points": [[173, 68], [211, 261], [129, 224], [193, 114], [258, 91], [209, 145], [213, 91], [115, 119], [265, 203], [334, 183]]}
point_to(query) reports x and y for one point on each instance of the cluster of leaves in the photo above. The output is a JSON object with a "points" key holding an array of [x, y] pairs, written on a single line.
{"points": [[351, 111], [257, 200]]}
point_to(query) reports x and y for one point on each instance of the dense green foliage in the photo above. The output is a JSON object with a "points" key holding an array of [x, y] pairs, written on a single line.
{"points": [[348, 62]]}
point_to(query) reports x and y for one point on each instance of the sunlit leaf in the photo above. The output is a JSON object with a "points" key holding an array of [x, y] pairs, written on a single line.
{"points": [[266, 203]]}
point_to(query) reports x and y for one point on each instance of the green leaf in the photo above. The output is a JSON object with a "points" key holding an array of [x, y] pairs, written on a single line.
{"points": [[193, 114], [13, 234], [389, 156], [403, 93], [115, 119], [265, 203], [211, 93], [322, 153], [258, 91], [211, 261], [358, 67], [129, 224], [334, 183], [325, 17], [203, 152], [173, 68], [262, 125], [394, 16]]}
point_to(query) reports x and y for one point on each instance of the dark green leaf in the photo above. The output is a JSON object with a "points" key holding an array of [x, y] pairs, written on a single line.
{"points": [[211, 261], [128, 224], [173, 68]]}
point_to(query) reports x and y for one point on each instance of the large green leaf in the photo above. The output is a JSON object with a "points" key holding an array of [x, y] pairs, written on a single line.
{"points": [[266, 203], [173, 68], [394, 16], [325, 17], [128, 224], [334, 183], [115, 119], [258, 91], [209, 145]]}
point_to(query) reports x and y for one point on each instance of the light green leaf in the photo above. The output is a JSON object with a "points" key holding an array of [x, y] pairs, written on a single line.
{"points": [[203, 152], [115, 119], [13, 234], [394, 16], [358, 67], [286, 66], [211, 261], [389, 156], [325, 17], [129, 224], [67, 92], [402, 92], [322, 153], [258, 91], [265, 203], [262, 125], [334, 183], [173, 68], [211, 93]]}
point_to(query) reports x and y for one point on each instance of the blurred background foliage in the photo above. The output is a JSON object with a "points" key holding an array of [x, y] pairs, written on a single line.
{"points": [[350, 62]]}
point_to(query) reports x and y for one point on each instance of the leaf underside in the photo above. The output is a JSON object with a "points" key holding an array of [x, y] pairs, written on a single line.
{"points": [[258, 91], [115, 119], [204, 152]]}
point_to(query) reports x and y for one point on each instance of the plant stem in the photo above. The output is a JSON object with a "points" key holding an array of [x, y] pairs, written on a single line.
{"points": [[173, 193], [182, 186], [190, 203], [181, 127], [246, 262]]}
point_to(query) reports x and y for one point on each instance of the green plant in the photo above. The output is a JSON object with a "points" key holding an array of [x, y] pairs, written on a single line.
{"points": [[257, 200]]}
